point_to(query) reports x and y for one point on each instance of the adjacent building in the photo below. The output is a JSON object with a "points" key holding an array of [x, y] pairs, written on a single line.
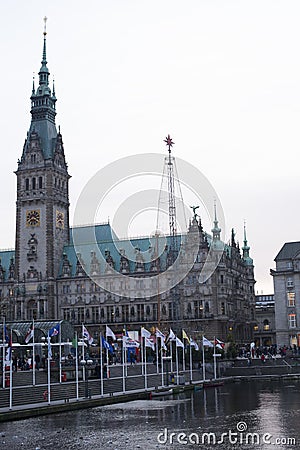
{"points": [[286, 278]]}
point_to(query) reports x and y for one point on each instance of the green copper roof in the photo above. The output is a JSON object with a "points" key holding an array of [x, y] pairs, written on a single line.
{"points": [[5, 259], [43, 110]]}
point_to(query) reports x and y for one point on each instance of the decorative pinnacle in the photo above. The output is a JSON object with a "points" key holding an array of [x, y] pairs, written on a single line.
{"points": [[45, 25], [169, 142]]}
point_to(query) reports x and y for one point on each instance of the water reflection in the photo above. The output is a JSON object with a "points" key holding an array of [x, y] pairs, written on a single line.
{"points": [[263, 407]]}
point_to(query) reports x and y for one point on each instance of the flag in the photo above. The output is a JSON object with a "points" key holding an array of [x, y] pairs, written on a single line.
{"points": [[185, 336], [6, 334], [8, 354], [219, 344], [145, 333], [49, 347], [149, 343], [194, 344], [75, 341], [171, 336], [106, 345], [87, 335], [163, 345], [206, 342], [109, 332], [159, 334], [128, 342], [179, 343], [29, 334], [54, 331]]}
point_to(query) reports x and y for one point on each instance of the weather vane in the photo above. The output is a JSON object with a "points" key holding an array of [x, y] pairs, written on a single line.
{"points": [[45, 21], [169, 142]]}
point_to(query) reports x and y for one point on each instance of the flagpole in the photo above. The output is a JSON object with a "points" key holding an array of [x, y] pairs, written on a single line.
{"points": [[203, 361], [191, 361], [33, 356], [10, 373], [83, 367], [60, 368], [48, 370], [123, 365], [162, 361], [101, 367], [142, 352], [215, 359], [76, 365], [171, 354], [157, 356], [177, 374], [145, 359], [3, 354], [183, 356]]}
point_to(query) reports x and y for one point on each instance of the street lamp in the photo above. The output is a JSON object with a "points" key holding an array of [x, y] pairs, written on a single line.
{"points": [[86, 363]]}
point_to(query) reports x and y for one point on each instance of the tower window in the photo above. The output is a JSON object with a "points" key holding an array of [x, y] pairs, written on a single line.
{"points": [[40, 182], [33, 183], [27, 184]]}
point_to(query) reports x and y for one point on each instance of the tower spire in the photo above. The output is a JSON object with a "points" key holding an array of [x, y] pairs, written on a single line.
{"points": [[216, 230], [246, 248], [44, 72]]}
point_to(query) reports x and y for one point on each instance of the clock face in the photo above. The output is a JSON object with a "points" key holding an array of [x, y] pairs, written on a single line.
{"points": [[60, 219], [33, 218]]}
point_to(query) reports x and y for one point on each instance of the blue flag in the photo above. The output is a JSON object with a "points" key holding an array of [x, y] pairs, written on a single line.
{"points": [[6, 334], [107, 345], [54, 331], [49, 347]]}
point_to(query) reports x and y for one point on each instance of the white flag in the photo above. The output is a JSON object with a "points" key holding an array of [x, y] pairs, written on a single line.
{"points": [[206, 342], [194, 344], [149, 343], [179, 343], [109, 332], [128, 342], [145, 333], [87, 335], [159, 334], [171, 336]]}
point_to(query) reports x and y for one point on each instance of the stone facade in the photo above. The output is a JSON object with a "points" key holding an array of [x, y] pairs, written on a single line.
{"points": [[286, 279], [49, 277]]}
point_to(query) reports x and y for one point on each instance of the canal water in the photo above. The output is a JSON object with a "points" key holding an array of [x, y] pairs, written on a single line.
{"points": [[246, 415]]}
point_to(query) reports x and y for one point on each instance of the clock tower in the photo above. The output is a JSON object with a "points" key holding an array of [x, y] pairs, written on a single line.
{"points": [[42, 216]]}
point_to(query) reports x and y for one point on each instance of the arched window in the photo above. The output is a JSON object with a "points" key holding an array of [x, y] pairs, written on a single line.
{"points": [[33, 183], [40, 182], [132, 312], [27, 184]]}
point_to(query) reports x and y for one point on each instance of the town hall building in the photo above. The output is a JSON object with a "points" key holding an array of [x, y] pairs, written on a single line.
{"points": [[46, 278]]}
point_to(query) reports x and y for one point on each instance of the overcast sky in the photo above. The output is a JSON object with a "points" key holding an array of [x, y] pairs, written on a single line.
{"points": [[222, 77]]}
